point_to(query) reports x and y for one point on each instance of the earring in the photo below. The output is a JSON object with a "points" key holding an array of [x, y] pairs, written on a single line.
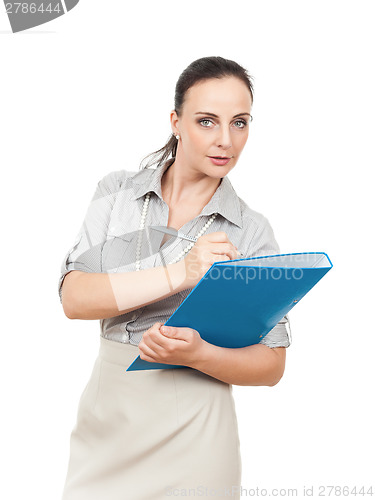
{"points": [[177, 136]]}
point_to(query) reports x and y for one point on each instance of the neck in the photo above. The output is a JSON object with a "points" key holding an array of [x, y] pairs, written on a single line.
{"points": [[184, 185]]}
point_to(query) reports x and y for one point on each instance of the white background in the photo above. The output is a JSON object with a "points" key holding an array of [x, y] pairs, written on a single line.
{"points": [[90, 93]]}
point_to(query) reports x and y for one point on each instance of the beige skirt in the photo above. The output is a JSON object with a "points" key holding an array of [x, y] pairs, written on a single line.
{"points": [[152, 434]]}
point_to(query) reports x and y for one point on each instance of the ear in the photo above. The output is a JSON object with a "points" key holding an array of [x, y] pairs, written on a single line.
{"points": [[174, 122]]}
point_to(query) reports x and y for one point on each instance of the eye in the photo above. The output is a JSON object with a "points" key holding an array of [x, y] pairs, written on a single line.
{"points": [[244, 123], [205, 120]]}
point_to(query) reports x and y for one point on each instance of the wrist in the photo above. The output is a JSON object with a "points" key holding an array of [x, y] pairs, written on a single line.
{"points": [[179, 276], [202, 355]]}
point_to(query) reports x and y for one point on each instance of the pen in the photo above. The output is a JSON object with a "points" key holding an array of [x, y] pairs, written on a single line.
{"points": [[178, 234]]}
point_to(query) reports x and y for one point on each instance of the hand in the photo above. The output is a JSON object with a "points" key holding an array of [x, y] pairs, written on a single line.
{"points": [[209, 248], [170, 345]]}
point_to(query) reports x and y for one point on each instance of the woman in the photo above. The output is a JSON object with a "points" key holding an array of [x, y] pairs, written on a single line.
{"points": [[151, 434]]}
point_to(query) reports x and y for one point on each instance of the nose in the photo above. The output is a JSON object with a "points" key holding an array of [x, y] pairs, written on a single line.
{"points": [[224, 138]]}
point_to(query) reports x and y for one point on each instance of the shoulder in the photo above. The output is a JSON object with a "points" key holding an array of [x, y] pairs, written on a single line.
{"points": [[252, 219], [259, 236], [113, 182]]}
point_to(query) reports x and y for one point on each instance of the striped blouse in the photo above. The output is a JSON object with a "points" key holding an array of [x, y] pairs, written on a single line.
{"points": [[107, 240]]}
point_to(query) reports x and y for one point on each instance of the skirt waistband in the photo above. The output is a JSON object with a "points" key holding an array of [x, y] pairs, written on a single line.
{"points": [[117, 352]]}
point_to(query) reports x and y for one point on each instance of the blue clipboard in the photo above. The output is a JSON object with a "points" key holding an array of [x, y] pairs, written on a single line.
{"points": [[237, 302]]}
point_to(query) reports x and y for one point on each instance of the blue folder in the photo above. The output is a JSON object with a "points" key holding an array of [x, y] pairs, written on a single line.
{"points": [[237, 302]]}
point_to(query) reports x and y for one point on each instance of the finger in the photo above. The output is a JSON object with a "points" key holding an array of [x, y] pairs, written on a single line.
{"points": [[225, 249], [217, 237], [156, 326], [157, 341], [174, 332], [153, 331], [145, 349], [220, 258]]}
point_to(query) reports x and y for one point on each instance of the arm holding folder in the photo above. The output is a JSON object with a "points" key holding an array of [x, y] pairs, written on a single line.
{"points": [[253, 364], [236, 304]]}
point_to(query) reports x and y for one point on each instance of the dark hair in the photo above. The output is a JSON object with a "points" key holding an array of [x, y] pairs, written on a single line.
{"points": [[198, 71]]}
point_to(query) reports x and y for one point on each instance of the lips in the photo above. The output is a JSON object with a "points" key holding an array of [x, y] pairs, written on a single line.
{"points": [[219, 160]]}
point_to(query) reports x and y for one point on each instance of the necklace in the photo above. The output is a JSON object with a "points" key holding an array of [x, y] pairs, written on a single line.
{"points": [[142, 225]]}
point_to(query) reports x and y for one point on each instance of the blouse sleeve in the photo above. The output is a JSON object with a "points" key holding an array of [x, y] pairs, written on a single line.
{"points": [[264, 243], [85, 254]]}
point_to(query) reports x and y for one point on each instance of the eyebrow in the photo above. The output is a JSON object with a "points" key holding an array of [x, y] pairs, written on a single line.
{"points": [[215, 116]]}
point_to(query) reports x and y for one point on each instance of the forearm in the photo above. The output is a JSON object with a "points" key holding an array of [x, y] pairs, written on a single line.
{"points": [[105, 295], [253, 365]]}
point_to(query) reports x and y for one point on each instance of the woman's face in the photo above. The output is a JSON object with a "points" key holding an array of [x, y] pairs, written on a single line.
{"points": [[214, 122]]}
